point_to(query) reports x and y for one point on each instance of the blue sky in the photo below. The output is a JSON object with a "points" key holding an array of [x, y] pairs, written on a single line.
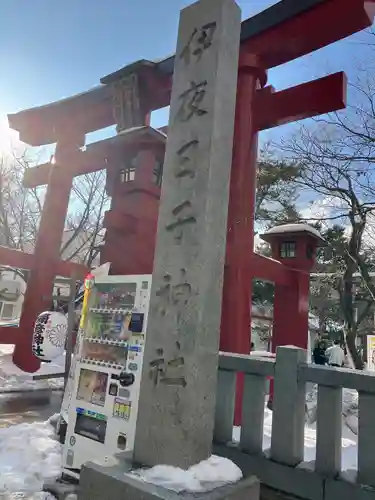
{"points": [[50, 49]]}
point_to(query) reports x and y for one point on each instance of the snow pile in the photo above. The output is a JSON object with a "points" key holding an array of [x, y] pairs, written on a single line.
{"points": [[13, 378], [54, 419], [205, 476], [29, 455], [349, 426], [22, 496], [6, 348], [349, 408], [263, 354]]}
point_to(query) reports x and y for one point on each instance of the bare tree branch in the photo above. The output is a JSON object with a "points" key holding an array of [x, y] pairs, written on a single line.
{"points": [[21, 209], [336, 157]]}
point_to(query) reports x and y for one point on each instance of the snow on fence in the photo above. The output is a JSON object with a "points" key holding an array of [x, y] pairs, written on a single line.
{"points": [[282, 465]]}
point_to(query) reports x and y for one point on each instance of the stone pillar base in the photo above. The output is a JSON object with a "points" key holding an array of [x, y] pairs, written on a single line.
{"points": [[105, 483], [61, 490]]}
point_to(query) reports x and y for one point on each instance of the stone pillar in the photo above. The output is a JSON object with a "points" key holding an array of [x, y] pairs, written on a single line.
{"points": [[177, 396]]}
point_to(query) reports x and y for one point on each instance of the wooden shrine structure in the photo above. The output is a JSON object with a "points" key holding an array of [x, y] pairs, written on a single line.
{"points": [[134, 159]]}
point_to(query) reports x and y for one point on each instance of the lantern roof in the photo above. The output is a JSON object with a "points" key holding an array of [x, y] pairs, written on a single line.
{"points": [[293, 230], [130, 135]]}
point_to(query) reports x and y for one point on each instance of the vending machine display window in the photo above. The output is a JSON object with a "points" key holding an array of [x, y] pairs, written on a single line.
{"points": [[107, 353], [109, 324], [92, 387], [91, 426], [115, 296]]}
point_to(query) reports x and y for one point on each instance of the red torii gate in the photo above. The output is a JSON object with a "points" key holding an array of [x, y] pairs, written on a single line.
{"points": [[283, 32], [44, 265]]}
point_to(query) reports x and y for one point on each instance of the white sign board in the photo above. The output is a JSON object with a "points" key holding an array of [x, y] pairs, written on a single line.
{"points": [[371, 352]]}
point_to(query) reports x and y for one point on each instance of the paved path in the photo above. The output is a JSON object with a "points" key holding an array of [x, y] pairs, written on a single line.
{"points": [[32, 406]]}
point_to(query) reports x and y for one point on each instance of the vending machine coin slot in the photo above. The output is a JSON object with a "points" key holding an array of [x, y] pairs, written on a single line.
{"points": [[113, 389]]}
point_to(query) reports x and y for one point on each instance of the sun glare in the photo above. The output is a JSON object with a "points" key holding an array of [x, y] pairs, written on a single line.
{"points": [[9, 141]]}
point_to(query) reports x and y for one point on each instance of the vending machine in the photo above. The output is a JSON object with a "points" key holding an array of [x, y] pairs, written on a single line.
{"points": [[101, 399]]}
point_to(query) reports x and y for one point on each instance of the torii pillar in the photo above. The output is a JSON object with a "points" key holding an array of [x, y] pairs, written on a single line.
{"points": [[39, 289]]}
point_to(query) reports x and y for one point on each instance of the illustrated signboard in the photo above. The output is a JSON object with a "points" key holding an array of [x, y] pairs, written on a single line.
{"points": [[371, 352]]}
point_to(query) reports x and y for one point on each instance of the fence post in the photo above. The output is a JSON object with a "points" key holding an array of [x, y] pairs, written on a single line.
{"points": [[224, 413], [288, 421], [253, 414], [366, 439], [328, 431]]}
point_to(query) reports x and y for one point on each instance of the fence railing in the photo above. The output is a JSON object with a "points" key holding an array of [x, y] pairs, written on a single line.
{"points": [[291, 373]]}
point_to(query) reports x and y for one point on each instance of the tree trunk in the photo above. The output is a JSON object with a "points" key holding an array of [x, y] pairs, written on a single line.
{"points": [[350, 343]]}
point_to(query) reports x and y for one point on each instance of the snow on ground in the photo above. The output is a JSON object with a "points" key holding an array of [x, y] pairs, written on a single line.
{"points": [[195, 479], [25, 496], [349, 426], [205, 476], [349, 409], [348, 441], [29, 455], [14, 379]]}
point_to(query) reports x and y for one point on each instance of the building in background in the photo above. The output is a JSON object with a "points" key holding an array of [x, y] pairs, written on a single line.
{"points": [[12, 288], [78, 248], [261, 328]]}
